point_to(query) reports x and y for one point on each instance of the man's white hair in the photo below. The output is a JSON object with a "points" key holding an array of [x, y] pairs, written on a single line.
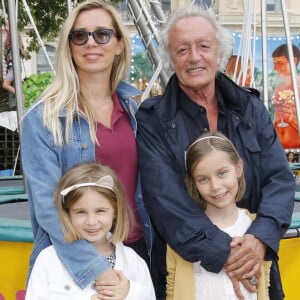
{"points": [[223, 36]]}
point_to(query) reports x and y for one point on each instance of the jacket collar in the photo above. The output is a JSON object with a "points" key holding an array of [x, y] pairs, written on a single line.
{"points": [[125, 90], [235, 98], [167, 106]]}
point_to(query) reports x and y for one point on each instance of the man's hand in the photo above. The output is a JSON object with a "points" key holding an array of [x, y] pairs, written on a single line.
{"points": [[246, 257], [113, 289], [236, 287]]}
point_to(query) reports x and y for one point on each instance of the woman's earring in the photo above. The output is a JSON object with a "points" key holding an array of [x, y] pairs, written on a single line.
{"points": [[108, 236]]}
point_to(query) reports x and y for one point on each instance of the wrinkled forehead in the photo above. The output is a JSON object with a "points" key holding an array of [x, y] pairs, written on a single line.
{"points": [[197, 24], [192, 29]]}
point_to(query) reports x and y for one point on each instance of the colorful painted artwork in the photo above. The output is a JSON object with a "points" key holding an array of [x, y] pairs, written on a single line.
{"points": [[281, 99]]}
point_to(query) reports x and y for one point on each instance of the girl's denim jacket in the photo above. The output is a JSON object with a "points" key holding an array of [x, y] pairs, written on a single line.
{"points": [[43, 165]]}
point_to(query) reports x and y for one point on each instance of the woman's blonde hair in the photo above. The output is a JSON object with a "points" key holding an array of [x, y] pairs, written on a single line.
{"points": [[203, 145], [64, 94], [91, 173]]}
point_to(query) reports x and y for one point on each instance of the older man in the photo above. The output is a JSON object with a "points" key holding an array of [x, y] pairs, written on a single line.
{"points": [[199, 98]]}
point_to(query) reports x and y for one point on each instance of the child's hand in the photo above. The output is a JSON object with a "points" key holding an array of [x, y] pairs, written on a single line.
{"points": [[108, 275], [113, 289]]}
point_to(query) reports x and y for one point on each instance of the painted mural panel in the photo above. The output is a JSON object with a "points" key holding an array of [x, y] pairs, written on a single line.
{"points": [[281, 99]]}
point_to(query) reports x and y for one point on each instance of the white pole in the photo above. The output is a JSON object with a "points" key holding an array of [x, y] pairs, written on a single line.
{"points": [[69, 4], [291, 60], [14, 36], [264, 52], [16, 60], [141, 24]]}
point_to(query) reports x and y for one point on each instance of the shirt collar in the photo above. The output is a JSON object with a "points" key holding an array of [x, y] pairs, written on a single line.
{"points": [[188, 105]]}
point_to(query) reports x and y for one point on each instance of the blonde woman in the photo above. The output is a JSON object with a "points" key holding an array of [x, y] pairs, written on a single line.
{"points": [[86, 114]]}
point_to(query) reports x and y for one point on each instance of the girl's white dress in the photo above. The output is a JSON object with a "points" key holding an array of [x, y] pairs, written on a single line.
{"points": [[218, 286], [50, 280]]}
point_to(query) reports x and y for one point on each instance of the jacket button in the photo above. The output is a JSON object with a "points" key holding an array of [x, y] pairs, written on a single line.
{"points": [[84, 146]]}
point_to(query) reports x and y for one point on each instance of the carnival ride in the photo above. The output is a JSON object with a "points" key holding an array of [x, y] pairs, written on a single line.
{"points": [[16, 237]]}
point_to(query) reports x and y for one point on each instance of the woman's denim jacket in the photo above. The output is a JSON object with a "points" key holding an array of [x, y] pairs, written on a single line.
{"points": [[43, 165]]}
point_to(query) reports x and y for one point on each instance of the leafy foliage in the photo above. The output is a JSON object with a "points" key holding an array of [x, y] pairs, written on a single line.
{"points": [[34, 85]]}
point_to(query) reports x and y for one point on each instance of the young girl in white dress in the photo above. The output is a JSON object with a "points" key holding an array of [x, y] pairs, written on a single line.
{"points": [[91, 206], [216, 182]]}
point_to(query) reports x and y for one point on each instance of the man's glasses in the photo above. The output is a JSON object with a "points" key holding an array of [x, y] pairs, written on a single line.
{"points": [[80, 37]]}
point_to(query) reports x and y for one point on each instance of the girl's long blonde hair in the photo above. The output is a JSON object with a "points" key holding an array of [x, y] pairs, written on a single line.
{"points": [[63, 94]]}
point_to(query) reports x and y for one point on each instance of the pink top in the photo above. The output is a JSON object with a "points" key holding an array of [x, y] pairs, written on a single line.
{"points": [[118, 150]]}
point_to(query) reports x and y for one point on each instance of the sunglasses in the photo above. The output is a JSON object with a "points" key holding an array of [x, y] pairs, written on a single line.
{"points": [[101, 36]]}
